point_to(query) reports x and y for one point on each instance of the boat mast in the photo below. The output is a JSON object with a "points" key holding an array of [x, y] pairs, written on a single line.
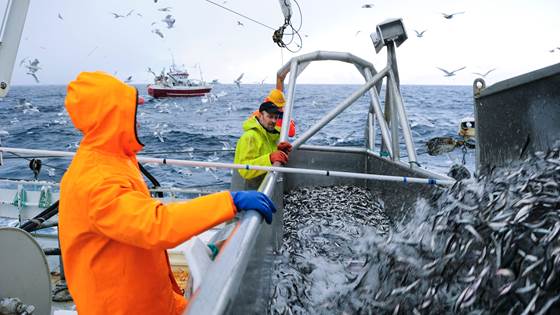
{"points": [[10, 35]]}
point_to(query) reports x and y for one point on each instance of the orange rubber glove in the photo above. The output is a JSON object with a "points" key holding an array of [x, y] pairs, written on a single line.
{"points": [[279, 156], [285, 147]]}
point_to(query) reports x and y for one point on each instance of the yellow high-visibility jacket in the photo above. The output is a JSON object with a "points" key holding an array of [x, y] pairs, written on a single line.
{"points": [[254, 147]]}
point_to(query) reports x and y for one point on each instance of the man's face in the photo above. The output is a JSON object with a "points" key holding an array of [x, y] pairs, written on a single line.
{"points": [[268, 121]]}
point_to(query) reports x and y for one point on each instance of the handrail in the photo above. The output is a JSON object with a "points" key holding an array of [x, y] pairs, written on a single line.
{"points": [[223, 278], [273, 169]]}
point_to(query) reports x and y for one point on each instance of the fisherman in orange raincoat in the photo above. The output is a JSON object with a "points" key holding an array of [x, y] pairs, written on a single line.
{"points": [[113, 235]]}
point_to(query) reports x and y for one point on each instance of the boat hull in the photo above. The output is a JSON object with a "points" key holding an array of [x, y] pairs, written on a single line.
{"points": [[190, 91]]}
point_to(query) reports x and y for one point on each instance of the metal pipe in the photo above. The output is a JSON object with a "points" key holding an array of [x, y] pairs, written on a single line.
{"points": [[379, 113], [370, 131], [394, 118], [337, 110], [318, 56], [291, 170], [28, 182], [405, 127], [289, 101], [223, 277]]}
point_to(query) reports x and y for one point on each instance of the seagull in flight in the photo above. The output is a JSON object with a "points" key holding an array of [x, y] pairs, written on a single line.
{"points": [[166, 9], [238, 80], [484, 74], [33, 66], [358, 32], [367, 5], [451, 73], [157, 32], [240, 24], [169, 20], [449, 16], [420, 34], [60, 17], [116, 15]]}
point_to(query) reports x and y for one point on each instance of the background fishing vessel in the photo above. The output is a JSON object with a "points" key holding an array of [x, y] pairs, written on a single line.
{"points": [[176, 83]]}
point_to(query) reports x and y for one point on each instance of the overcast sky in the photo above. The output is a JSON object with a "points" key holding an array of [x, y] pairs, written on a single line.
{"points": [[512, 36]]}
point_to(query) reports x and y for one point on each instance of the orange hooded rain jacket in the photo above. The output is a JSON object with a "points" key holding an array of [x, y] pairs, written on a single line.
{"points": [[113, 235]]}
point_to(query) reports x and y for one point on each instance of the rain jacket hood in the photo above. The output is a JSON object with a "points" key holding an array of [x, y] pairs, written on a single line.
{"points": [[254, 147], [107, 119], [113, 234]]}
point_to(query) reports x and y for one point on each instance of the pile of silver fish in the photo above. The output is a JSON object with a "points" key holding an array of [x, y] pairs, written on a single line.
{"points": [[490, 246], [317, 257]]}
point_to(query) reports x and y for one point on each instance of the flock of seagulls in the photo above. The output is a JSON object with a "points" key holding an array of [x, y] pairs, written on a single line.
{"points": [[169, 20], [420, 34]]}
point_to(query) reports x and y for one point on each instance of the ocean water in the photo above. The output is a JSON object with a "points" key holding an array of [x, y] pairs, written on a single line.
{"points": [[207, 128]]}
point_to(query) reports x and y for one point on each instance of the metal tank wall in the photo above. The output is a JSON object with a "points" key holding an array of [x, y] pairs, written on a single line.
{"points": [[517, 117], [255, 289]]}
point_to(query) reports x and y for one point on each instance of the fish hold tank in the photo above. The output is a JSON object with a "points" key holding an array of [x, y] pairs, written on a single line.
{"points": [[338, 204]]}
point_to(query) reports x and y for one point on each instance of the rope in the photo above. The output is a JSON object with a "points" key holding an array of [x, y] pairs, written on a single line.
{"points": [[242, 15]]}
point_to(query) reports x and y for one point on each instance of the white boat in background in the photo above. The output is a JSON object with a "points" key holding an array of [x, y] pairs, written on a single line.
{"points": [[176, 83]]}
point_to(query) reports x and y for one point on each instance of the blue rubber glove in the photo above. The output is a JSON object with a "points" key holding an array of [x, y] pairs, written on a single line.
{"points": [[254, 200]]}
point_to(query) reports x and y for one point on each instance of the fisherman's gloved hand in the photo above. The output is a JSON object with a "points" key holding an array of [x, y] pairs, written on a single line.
{"points": [[254, 200], [285, 147], [279, 156]]}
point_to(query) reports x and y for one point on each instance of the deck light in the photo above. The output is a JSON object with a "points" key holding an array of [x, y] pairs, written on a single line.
{"points": [[391, 30]]}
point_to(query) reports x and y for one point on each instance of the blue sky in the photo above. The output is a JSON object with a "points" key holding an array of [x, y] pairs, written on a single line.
{"points": [[512, 36]]}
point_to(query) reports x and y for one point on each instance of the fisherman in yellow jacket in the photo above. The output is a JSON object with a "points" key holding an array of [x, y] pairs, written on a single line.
{"points": [[113, 235], [258, 144]]}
